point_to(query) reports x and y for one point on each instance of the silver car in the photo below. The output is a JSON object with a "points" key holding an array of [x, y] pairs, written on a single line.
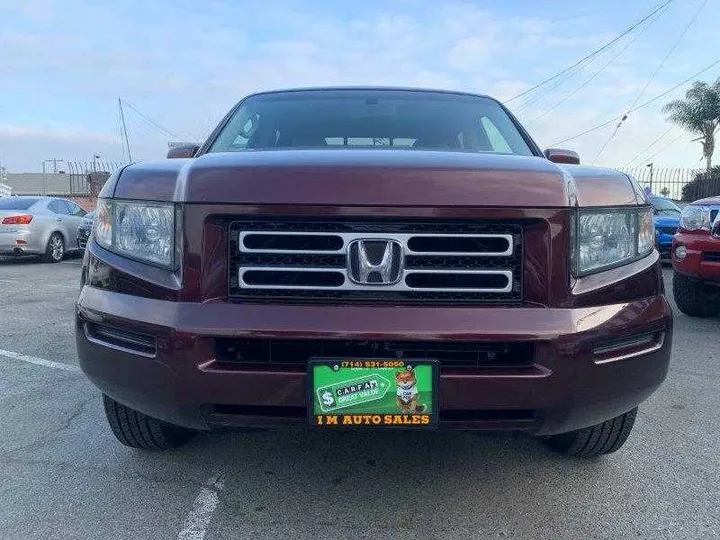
{"points": [[45, 226]]}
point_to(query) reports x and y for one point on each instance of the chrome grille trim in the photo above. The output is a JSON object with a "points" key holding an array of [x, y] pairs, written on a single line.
{"points": [[404, 239], [349, 285], [311, 260]]}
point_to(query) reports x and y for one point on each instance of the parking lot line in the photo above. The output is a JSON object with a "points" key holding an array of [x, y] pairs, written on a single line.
{"points": [[39, 361], [197, 521]]}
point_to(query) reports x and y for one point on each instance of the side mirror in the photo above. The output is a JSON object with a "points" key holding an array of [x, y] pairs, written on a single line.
{"points": [[558, 155], [182, 150]]}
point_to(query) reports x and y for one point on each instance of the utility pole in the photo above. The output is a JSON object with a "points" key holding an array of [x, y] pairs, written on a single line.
{"points": [[122, 118]]}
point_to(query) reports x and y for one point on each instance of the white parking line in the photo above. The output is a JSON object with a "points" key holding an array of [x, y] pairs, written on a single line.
{"points": [[197, 521], [39, 361]]}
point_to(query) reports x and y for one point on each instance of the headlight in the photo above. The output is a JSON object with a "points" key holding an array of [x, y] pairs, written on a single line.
{"points": [[606, 238], [694, 218], [142, 231]]}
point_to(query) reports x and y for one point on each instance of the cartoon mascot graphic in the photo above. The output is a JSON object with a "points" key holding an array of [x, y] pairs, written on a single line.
{"points": [[407, 393]]}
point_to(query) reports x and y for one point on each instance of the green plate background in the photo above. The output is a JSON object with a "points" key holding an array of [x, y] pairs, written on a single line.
{"points": [[324, 375]]}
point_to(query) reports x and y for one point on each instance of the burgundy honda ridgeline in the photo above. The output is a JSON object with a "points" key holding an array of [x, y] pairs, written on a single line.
{"points": [[211, 281]]}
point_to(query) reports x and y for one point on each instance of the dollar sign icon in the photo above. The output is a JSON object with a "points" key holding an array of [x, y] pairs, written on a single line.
{"points": [[327, 399]]}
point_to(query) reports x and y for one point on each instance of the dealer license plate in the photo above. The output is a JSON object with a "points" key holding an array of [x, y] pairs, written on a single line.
{"points": [[373, 393]]}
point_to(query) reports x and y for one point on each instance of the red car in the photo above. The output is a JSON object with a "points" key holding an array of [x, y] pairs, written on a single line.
{"points": [[322, 243], [696, 259]]}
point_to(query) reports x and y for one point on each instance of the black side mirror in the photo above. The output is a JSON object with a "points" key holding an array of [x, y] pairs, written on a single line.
{"points": [[558, 155], [182, 150]]}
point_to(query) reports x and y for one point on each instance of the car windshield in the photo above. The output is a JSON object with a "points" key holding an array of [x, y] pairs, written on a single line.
{"points": [[16, 203], [665, 207], [381, 119]]}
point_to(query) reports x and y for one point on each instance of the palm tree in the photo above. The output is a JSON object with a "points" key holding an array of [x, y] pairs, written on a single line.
{"points": [[698, 113]]}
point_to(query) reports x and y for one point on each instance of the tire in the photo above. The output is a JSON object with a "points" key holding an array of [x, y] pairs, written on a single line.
{"points": [[136, 430], [596, 440], [55, 249], [692, 297]]}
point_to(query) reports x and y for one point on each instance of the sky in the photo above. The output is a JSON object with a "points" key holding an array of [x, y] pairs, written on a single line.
{"points": [[184, 64]]}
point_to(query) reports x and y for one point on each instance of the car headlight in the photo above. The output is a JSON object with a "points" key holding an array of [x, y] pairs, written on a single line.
{"points": [[610, 237], [139, 230], [695, 218]]}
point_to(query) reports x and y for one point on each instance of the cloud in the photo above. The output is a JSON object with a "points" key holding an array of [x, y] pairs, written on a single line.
{"points": [[185, 68], [37, 132]]}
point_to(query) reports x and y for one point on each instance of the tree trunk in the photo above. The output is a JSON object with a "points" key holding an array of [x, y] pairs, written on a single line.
{"points": [[709, 148]]}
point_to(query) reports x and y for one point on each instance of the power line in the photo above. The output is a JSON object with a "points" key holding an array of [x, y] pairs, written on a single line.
{"points": [[592, 54], [645, 104], [669, 53], [647, 84], [160, 128], [649, 146], [598, 72], [668, 145]]}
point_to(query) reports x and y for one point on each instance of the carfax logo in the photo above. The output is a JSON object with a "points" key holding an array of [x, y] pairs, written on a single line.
{"points": [[354, 392]]}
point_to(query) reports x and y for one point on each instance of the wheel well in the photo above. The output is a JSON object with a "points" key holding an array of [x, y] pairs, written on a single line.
{"points": [[65, 240]]}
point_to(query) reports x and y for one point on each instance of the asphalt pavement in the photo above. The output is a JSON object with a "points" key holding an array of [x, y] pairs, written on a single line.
{"points": [[63, 475]]}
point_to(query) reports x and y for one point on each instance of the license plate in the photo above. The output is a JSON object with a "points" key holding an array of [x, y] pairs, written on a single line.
{"points": [[373, 393]]}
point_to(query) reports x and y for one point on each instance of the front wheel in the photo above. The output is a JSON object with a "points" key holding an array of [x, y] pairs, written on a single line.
{"points": [[137, 430], [597, 440], [692, 297]]}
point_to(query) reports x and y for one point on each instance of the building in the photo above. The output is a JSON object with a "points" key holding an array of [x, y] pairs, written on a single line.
{"points": [[74, 187]]}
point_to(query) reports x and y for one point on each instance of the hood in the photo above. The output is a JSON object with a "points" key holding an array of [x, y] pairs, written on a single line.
{"points": [[709, 201], [373, 178]]}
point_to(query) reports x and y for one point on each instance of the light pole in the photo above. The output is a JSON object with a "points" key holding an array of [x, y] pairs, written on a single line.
{"points": [[95, 158], [651, 175]]}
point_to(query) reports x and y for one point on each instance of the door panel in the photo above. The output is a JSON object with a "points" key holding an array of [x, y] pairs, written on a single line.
{"points": [[63, 222]]}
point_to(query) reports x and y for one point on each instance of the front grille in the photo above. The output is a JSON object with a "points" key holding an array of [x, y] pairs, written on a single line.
{"points": [[254, 353], [376, 261], [667, 230], [83, 236], [712, 256]]}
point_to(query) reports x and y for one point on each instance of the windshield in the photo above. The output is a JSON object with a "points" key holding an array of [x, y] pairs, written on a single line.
{"points": [[16, 203], [385, 119], [665, 207]]}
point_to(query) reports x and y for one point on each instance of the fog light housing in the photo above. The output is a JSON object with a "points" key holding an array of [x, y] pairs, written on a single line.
{"points": [[680, 252]]}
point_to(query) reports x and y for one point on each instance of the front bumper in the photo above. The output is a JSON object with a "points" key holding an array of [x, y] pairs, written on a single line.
{"points": [[569, 386], [664, 242], [703, 255]]}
